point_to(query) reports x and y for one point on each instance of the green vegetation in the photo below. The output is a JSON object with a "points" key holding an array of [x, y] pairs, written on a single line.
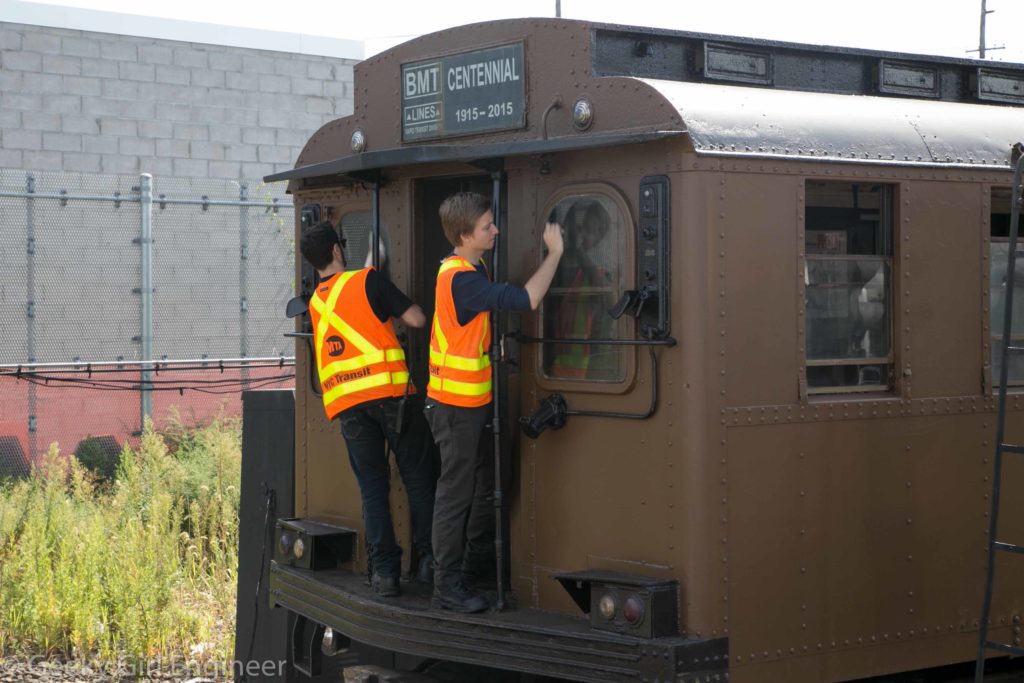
{"points": [[134, 570]]}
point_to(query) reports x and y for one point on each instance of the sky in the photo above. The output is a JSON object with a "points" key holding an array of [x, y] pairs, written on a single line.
{"points": [[945, 27]]}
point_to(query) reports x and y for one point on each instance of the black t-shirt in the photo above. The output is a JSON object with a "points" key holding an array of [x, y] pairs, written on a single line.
{"points": [[386, 300]]}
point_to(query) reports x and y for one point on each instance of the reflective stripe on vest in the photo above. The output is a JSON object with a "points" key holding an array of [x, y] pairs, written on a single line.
{"points": [[460, 373], [378, 370]]}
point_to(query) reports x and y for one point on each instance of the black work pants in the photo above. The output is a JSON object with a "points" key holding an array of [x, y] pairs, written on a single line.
{"points": [[366, 429], [464, 505]]}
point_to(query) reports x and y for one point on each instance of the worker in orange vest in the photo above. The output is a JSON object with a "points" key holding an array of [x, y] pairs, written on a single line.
{"points": [[364, 380], [458, 405]]}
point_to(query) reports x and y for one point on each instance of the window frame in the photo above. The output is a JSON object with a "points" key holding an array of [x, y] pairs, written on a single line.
{"points": [[629, 355], [889, 220], [993, 329]]}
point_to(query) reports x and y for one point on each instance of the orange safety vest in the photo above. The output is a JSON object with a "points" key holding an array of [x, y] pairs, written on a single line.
{"points": [[460, 369], [359, 358]]}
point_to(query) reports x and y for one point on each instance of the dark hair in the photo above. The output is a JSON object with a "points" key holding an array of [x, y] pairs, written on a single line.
{"points": [[459, 214], [317, 244]]}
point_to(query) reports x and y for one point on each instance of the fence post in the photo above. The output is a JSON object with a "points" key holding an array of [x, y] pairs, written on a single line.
{"points": [[243, 281], [30, 310], [146, 297]]}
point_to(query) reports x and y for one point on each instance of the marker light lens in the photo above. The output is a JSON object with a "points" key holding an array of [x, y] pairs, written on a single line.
{"points": [[633, 610], [607, 606], [582, 114], [284, 544], [358, 141], [299, 549]]}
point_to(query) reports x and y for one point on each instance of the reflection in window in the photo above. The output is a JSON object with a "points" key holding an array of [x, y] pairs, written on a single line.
{"points": [[357, 229], [998, 261], [591, 277], [848, 276]]}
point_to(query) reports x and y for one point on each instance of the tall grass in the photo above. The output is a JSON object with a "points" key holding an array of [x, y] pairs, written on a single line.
{"points": [[138, 569]]}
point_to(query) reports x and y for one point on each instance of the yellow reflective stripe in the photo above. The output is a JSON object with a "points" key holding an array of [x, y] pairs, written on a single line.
{"points": [[442, 341], [356, 385], [363, 383], [454, 263], [326, 309], [329, 318], [360, 362], [459, 362], [461, 388]]}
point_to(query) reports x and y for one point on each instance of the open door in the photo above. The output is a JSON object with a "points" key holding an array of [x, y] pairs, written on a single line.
{"points": [[429, 247]]}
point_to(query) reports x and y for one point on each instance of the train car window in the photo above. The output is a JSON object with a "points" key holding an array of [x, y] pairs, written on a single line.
{"points": [[848, 287], [357, 230], [591, 277], [997, 282]]}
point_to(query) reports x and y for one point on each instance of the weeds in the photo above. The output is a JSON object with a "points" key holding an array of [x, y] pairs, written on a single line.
{"points": [[139, 569]]}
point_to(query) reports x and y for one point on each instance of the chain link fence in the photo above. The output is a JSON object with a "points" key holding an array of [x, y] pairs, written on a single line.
{"points": [[130, 296]]}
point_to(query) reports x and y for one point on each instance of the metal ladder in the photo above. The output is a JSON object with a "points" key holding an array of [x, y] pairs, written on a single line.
{"points": [[995, 546]]}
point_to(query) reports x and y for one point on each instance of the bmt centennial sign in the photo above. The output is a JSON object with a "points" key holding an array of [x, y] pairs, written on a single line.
{"points": [[470, 92]]}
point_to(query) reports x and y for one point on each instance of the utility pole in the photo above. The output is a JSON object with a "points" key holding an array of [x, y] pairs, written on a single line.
{"points": [[981, 38]]}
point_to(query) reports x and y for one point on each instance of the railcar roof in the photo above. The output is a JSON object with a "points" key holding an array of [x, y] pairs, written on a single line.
{"points": [[735, 121]]}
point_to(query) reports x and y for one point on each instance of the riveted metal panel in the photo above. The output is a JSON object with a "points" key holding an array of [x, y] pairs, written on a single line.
{"points": [[740, 65], [843, 537], [758, 215], [907, 78], [938, 280], [1000, 86]]}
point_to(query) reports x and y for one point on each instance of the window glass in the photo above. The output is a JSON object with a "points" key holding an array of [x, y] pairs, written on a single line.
{"points": [[848, 287], [998, 260], [591, 277], [357, 229]]}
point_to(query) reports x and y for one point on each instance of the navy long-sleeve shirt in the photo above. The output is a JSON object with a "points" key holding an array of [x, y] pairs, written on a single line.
{"points": [[473, 293]]}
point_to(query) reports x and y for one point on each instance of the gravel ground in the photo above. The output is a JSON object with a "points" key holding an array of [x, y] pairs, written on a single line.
{"points": [[21, 669]]}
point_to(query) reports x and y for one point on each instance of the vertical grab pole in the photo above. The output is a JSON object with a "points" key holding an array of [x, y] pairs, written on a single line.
{"points": [[495, 351], [375, 222], [1017, 154], [146, 298]]}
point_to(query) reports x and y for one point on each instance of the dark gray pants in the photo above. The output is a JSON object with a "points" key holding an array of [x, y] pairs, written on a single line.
{"points": [[464, 506]]}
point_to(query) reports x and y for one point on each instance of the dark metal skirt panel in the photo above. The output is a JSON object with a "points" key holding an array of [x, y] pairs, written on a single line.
{"points": [[523, 640]]}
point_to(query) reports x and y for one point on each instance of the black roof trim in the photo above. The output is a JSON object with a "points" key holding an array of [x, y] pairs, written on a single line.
{"points": [[455, 152]]}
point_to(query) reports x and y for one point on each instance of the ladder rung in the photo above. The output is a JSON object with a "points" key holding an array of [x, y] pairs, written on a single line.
{"points": [[1011, 448], [1004, 647], [1008, 547]]}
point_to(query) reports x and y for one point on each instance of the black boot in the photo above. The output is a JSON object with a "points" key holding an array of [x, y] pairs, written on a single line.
{"points": [[385, 586], [459, 598]]}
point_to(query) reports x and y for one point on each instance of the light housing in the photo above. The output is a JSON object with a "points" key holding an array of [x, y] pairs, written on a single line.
{"points": [[312, 545], [582, 114], [358, 141]]}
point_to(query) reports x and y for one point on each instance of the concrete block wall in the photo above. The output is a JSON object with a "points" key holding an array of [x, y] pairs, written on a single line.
{"points": [[103, 103]]}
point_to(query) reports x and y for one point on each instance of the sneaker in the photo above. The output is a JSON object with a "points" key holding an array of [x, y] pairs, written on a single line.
{"points": [[385, 586], [459, 598], [425, 570]]}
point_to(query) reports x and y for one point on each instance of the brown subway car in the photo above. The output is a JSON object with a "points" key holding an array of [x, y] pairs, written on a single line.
{"points": [[748, 435]]}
